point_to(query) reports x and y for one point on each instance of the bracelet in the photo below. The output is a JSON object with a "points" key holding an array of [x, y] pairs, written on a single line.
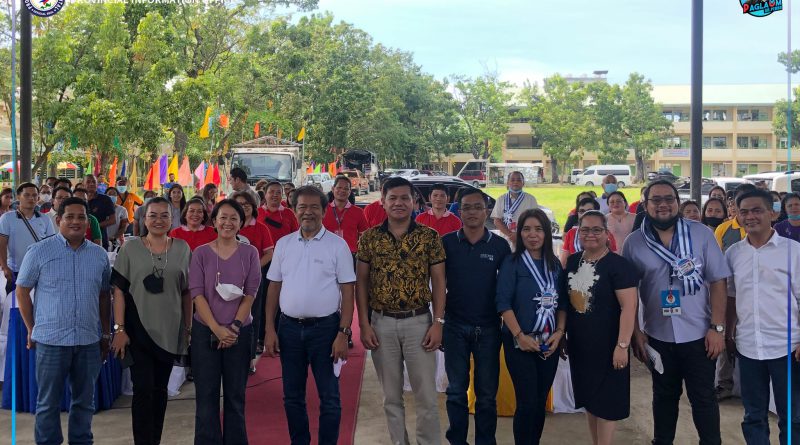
{"points": [[559, 330], [518, 333]]}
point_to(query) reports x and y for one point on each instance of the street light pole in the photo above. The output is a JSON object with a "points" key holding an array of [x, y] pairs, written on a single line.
{"points": [[697, 100], [25, 97]]}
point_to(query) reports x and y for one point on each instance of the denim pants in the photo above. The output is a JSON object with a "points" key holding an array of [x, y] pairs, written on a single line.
{"points": [[685, 363], [301, 345], [150, 377], [755, 377], [54, 365], [461, 341], [532, 377], [230, 365]]}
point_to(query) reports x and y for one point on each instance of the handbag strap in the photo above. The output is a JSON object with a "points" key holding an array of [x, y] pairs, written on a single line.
{"points": [[28, 225]]}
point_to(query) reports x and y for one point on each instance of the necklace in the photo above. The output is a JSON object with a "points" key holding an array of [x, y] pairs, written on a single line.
{"points": [[593, 260], [153, 255]]}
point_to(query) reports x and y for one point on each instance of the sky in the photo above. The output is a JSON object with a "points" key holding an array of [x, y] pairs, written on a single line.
{"points": [[532, 39]]}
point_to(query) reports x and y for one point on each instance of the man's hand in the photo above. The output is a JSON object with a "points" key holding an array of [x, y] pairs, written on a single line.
{"points": [[639, 343], [433, 338], [715, 344], [8, 274], [271, 347], [339, 349], [31, 344], [368, 337], [118, 344]]}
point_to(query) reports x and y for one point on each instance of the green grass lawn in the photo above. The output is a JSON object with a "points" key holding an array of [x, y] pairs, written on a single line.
{"points": [[561, 199]]}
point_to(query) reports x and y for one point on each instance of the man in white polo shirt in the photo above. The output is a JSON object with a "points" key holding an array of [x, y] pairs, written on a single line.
{"points": [[311, 277], [760, 265]]}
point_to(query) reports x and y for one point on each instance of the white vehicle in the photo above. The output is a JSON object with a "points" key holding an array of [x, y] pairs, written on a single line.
{"points": [[594, 175], [407, 173], [322, 181], [269, 158], [573, 176], [727, 183], [778, 181]]}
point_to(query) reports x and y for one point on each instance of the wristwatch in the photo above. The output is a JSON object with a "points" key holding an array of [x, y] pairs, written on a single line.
{"points": [[237, 323], [718, 328], [439, 320], [119, 328], [346, 331], [623, 345]]}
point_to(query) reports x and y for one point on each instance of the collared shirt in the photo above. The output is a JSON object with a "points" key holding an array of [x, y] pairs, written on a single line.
{"points": [[19, 237], [444, 225], [131, 199], [728, 233], [654, 275], [472, 277], [279, 223], [102, 207], [528, 202], [517, 289], [375, 213], [349, 223], [68, 282], [399, 270], [759, 284], [310, 272]]}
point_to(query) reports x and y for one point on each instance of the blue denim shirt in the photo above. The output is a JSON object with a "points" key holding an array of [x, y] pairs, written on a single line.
{"points": [[516, 290]]}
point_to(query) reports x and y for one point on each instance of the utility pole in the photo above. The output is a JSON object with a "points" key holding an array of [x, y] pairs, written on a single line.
{"points": [[697, 100]]}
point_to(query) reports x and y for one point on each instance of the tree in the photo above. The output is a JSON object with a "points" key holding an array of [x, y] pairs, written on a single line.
{"points": [[779, 126], [643, 124], [483, 108], [605, 102], [791, 63]]}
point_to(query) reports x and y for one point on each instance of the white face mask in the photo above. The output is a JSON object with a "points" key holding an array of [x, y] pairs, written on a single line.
{"points": [[45, 197], [228, 292]]}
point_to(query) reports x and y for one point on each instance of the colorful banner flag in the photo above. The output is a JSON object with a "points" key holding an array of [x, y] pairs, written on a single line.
{"points": [[332, 168], [151, 183], [200, 172], [318, 168], [112, 172], [302, 134], [204, 130], [173, 166], [223, 120], [209, 179], [132, 181], [185, 173], [310, 169], [124, 168], [257, 130], [97, 166], [216, 178], [162, 169]]}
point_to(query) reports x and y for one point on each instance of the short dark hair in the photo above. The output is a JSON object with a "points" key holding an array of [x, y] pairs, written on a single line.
{"points": [[716, 187], [112, 188], [51, 177], [26, 185], [63, 181], [755, 193], [234, 205], [249, 198], [585, 201], [661, 182], [341, 178], [238, 173], [290, 184], [618, 193], [6, 191], [55, 191], [591, 213], [71, 201], [271, 183], [467, 191], [79, 189], [578, 198], [743, 188], [438, 186], [688, 203], [786, 198], [157, 200], [308, 190], [395, 182], [196, 200]]}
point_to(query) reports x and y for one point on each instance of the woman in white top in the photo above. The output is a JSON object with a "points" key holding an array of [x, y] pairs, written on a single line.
{"points": [[116, 231], [620, 221]]}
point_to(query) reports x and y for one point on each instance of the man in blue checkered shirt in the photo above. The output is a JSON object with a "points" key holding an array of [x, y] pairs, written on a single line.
{"points": [[71, 277]]}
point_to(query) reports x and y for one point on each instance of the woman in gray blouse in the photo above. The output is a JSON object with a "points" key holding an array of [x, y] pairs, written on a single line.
{"points": [[153, 313]]}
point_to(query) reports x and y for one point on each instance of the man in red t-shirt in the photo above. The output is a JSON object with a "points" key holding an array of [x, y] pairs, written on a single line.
{"points": [[438, 218], [343, 218], [279, 220], [375, 214]]}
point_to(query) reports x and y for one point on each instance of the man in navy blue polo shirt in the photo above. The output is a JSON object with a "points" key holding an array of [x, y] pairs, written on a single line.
{"points": [[472, 325]]}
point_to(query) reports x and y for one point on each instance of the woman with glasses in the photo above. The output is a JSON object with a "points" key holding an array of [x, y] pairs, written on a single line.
{"points": [[224, 279], [572, 243], [532, 301], [620, 222], [178, 201], [572, 218], [193, 227], [714, 213], [153, 313], [600, 317]]}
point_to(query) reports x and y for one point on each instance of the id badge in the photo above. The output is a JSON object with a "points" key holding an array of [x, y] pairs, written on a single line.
{"points": [[512, 226], [340, 233], [670, 302]]}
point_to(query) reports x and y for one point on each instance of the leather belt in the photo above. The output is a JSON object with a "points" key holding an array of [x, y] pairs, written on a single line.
{"points": [[310, 320], [405, 314]]}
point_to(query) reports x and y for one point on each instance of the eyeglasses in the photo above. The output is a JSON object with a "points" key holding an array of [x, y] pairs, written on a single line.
{"points": [[475, 208], [658, 200], [596, 231]]}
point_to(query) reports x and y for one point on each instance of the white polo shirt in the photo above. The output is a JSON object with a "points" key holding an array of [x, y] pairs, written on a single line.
{"points": [[759, 283], [310, 272]]}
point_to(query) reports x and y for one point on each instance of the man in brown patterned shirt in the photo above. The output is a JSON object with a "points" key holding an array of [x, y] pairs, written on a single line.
{"points": [[400, 271]]}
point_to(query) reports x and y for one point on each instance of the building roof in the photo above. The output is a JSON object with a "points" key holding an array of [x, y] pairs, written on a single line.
{"points": [[738, 94]]}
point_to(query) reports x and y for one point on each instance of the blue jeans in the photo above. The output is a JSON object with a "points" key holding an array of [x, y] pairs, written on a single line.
{"points": [[755, 377], [302, 345], [460, 341], [231, 365], [80, 365]]}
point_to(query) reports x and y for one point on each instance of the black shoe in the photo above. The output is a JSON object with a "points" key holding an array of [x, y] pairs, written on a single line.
{"points": [[260, 348], [350, 342]]}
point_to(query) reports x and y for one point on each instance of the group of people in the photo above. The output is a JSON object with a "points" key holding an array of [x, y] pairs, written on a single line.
{"points": [[257, 273]]}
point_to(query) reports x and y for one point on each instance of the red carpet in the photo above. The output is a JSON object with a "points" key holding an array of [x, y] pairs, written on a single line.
{"points": [[266, 420]]}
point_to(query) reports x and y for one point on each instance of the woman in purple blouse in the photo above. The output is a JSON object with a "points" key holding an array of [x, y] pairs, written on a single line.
{"points": [[223, 280]]}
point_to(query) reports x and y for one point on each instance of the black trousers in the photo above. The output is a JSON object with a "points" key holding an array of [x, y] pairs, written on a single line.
{"points": [[150, 377], [685, 363]]}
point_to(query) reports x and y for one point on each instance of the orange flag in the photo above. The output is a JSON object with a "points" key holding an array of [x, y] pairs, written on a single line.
{"points": [[209, 179], [185, 173], [223, 120], [152, 183], [216, 177], [112, 172], [257, 129], [332, 168], [310, 169]]}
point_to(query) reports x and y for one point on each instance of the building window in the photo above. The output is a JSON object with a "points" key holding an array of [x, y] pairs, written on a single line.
{"points": [[676, 142], [519, 141], [715, 115], [715, 142], [676, 115], [758, 142], [742, 142], [753, 114], [783, 143]]}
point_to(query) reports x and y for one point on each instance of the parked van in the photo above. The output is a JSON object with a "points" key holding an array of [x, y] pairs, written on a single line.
{"points": [[778, 181], [594, 175]]}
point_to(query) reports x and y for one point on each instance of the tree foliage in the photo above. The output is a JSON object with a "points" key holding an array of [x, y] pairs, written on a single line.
{"points": [[779, 118]]}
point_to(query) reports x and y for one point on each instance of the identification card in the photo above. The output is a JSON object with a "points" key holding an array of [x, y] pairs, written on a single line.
{"points": [[670, 302]]}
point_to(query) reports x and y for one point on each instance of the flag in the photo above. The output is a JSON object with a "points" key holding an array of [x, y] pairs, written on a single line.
{"points": [[173, 166], [302, 134], [269, 104], [209, 179], [318, 168], [223, 120], [216, 177], [324, 168], [280, 133], [151, 183], [310, 169], [162, 169], [200, 172], [124, 168], [90, 166], [112, 172], [256, 130], [185, 173], [116, 142], [205, 128], [73, 142], [97, 166], [132, 186], [332, 168]]}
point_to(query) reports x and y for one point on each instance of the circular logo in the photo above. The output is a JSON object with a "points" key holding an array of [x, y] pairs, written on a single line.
{"points": [[684, 267], [44, 8], [548, 300], [760, 8]]}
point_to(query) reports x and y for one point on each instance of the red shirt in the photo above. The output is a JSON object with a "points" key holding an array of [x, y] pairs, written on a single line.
{"points": [[569, 241], [444, 225], [258, 235], [375, 213], [632, 208], [194, 239], [279, 223], [350, 223]]}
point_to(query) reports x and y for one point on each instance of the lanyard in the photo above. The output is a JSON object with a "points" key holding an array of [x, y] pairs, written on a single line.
{"points": [[339, 219]]}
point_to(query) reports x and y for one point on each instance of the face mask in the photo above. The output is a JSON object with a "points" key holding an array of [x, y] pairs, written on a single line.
{"points": [[514, 190], [712, 221], [776, 207], [793, 217], [610, 188], [122, 188], [45, 197], [229, 292], [664, 225], [154, 283], [146, 200]]}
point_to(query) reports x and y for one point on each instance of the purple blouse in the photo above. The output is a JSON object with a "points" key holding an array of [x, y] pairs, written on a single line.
{"points": [[241, 269]]}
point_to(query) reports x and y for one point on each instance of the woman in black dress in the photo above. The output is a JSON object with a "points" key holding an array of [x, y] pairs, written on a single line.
{"points": [[600, 318]]}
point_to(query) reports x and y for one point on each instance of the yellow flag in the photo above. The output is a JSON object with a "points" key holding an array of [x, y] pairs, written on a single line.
{"points": [[302, 134], [132, 180], [280, 133], [204, 129], [173, 166]]}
